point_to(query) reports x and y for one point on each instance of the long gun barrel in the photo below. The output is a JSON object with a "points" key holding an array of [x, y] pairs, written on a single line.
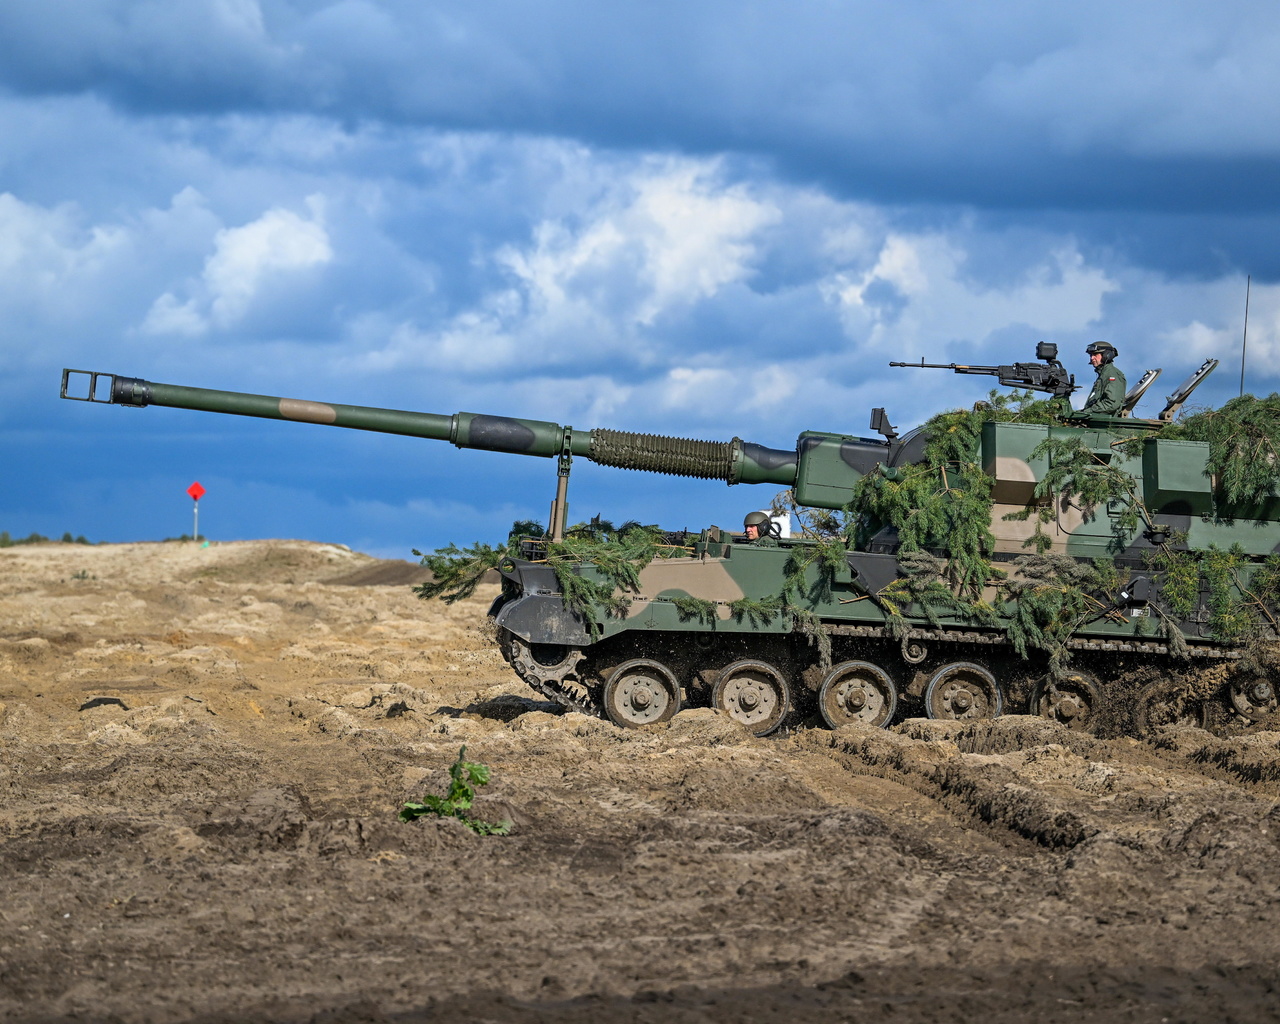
{"points": [[735, 461], [1048, 376]]}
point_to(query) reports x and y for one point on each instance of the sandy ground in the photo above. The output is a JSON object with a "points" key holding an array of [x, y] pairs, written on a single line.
{"points": [[203, 750]]}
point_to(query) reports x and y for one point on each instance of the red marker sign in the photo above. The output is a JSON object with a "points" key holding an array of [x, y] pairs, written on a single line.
{"points": [[196, 492]]}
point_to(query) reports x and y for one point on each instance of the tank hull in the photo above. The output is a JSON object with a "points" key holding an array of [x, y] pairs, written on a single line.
{"points": [[1123, 673]]}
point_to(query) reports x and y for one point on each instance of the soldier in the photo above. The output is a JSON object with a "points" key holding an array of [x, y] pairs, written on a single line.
{"points": [[1107, 395], [759, 528]]}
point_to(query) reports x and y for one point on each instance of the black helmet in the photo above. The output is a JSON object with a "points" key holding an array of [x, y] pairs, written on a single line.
{"points": [[1103, 348]]}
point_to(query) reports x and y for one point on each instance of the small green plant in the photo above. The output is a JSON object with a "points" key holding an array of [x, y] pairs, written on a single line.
{"points": [[466, 777]]}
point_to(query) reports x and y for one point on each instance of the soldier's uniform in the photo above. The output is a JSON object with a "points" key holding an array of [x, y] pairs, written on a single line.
{"points": [[1107, 394]]}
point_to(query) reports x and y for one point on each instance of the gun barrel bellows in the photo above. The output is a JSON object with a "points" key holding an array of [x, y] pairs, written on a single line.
{"points": [[710, 460]]}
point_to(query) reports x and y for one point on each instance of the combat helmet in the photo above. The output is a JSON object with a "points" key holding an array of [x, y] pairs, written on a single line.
{"points": [[1103, 348], [761, 521]]}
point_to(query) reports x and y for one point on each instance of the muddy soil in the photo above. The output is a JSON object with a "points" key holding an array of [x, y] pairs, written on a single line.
{"points": [[203, 751]]}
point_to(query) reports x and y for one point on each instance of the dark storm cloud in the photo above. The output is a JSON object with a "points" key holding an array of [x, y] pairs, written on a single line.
{"points": [[1158, 106]]}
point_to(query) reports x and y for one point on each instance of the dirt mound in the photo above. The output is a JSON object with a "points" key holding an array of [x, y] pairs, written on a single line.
{"points": [[203, 750], [386, 573]]}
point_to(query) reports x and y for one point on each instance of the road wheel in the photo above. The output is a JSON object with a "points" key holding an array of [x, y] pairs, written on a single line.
{"points": [[641, 692], [1252, 698], [754, 694], [1073, 701], [1164, 703], [857, 691], [963, 691]]}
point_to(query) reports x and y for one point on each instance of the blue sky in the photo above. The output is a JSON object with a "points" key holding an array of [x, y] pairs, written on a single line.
{"points": [[705, 220]]}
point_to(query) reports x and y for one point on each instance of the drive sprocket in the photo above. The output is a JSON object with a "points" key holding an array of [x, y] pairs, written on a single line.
{"points": [[552, 670]]}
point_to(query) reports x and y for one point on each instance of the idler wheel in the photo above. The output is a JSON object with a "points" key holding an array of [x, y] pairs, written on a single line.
{"points": [[963, 690], [754, 694], [857, 691], [1073, 701], [641, 692]]}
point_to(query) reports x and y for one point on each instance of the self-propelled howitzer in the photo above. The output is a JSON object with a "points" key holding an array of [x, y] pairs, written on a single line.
{"points": [[855, 627]]}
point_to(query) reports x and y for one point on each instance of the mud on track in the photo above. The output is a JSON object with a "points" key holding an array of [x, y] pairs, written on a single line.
{"points": [[202, 752]]}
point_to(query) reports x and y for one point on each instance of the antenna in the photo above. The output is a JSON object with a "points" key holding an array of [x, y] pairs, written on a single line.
{"points": [[1245, 340]]}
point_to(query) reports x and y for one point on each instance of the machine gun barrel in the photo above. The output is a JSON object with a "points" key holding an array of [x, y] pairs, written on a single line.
{"points": [[735, 461], [993, 371]]}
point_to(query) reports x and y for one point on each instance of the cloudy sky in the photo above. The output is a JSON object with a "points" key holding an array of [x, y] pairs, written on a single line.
{"points": [[708, 219]]}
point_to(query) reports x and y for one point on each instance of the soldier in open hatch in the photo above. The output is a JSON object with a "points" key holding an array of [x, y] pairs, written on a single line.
{"points": [[1107, 395], [759, 529]]}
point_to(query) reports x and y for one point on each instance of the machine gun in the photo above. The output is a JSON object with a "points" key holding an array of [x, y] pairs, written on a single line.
{"points": [[1051, 377]]}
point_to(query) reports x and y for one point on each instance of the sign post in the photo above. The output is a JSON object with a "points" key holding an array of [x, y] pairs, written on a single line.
{"points": [[196, 492]]}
